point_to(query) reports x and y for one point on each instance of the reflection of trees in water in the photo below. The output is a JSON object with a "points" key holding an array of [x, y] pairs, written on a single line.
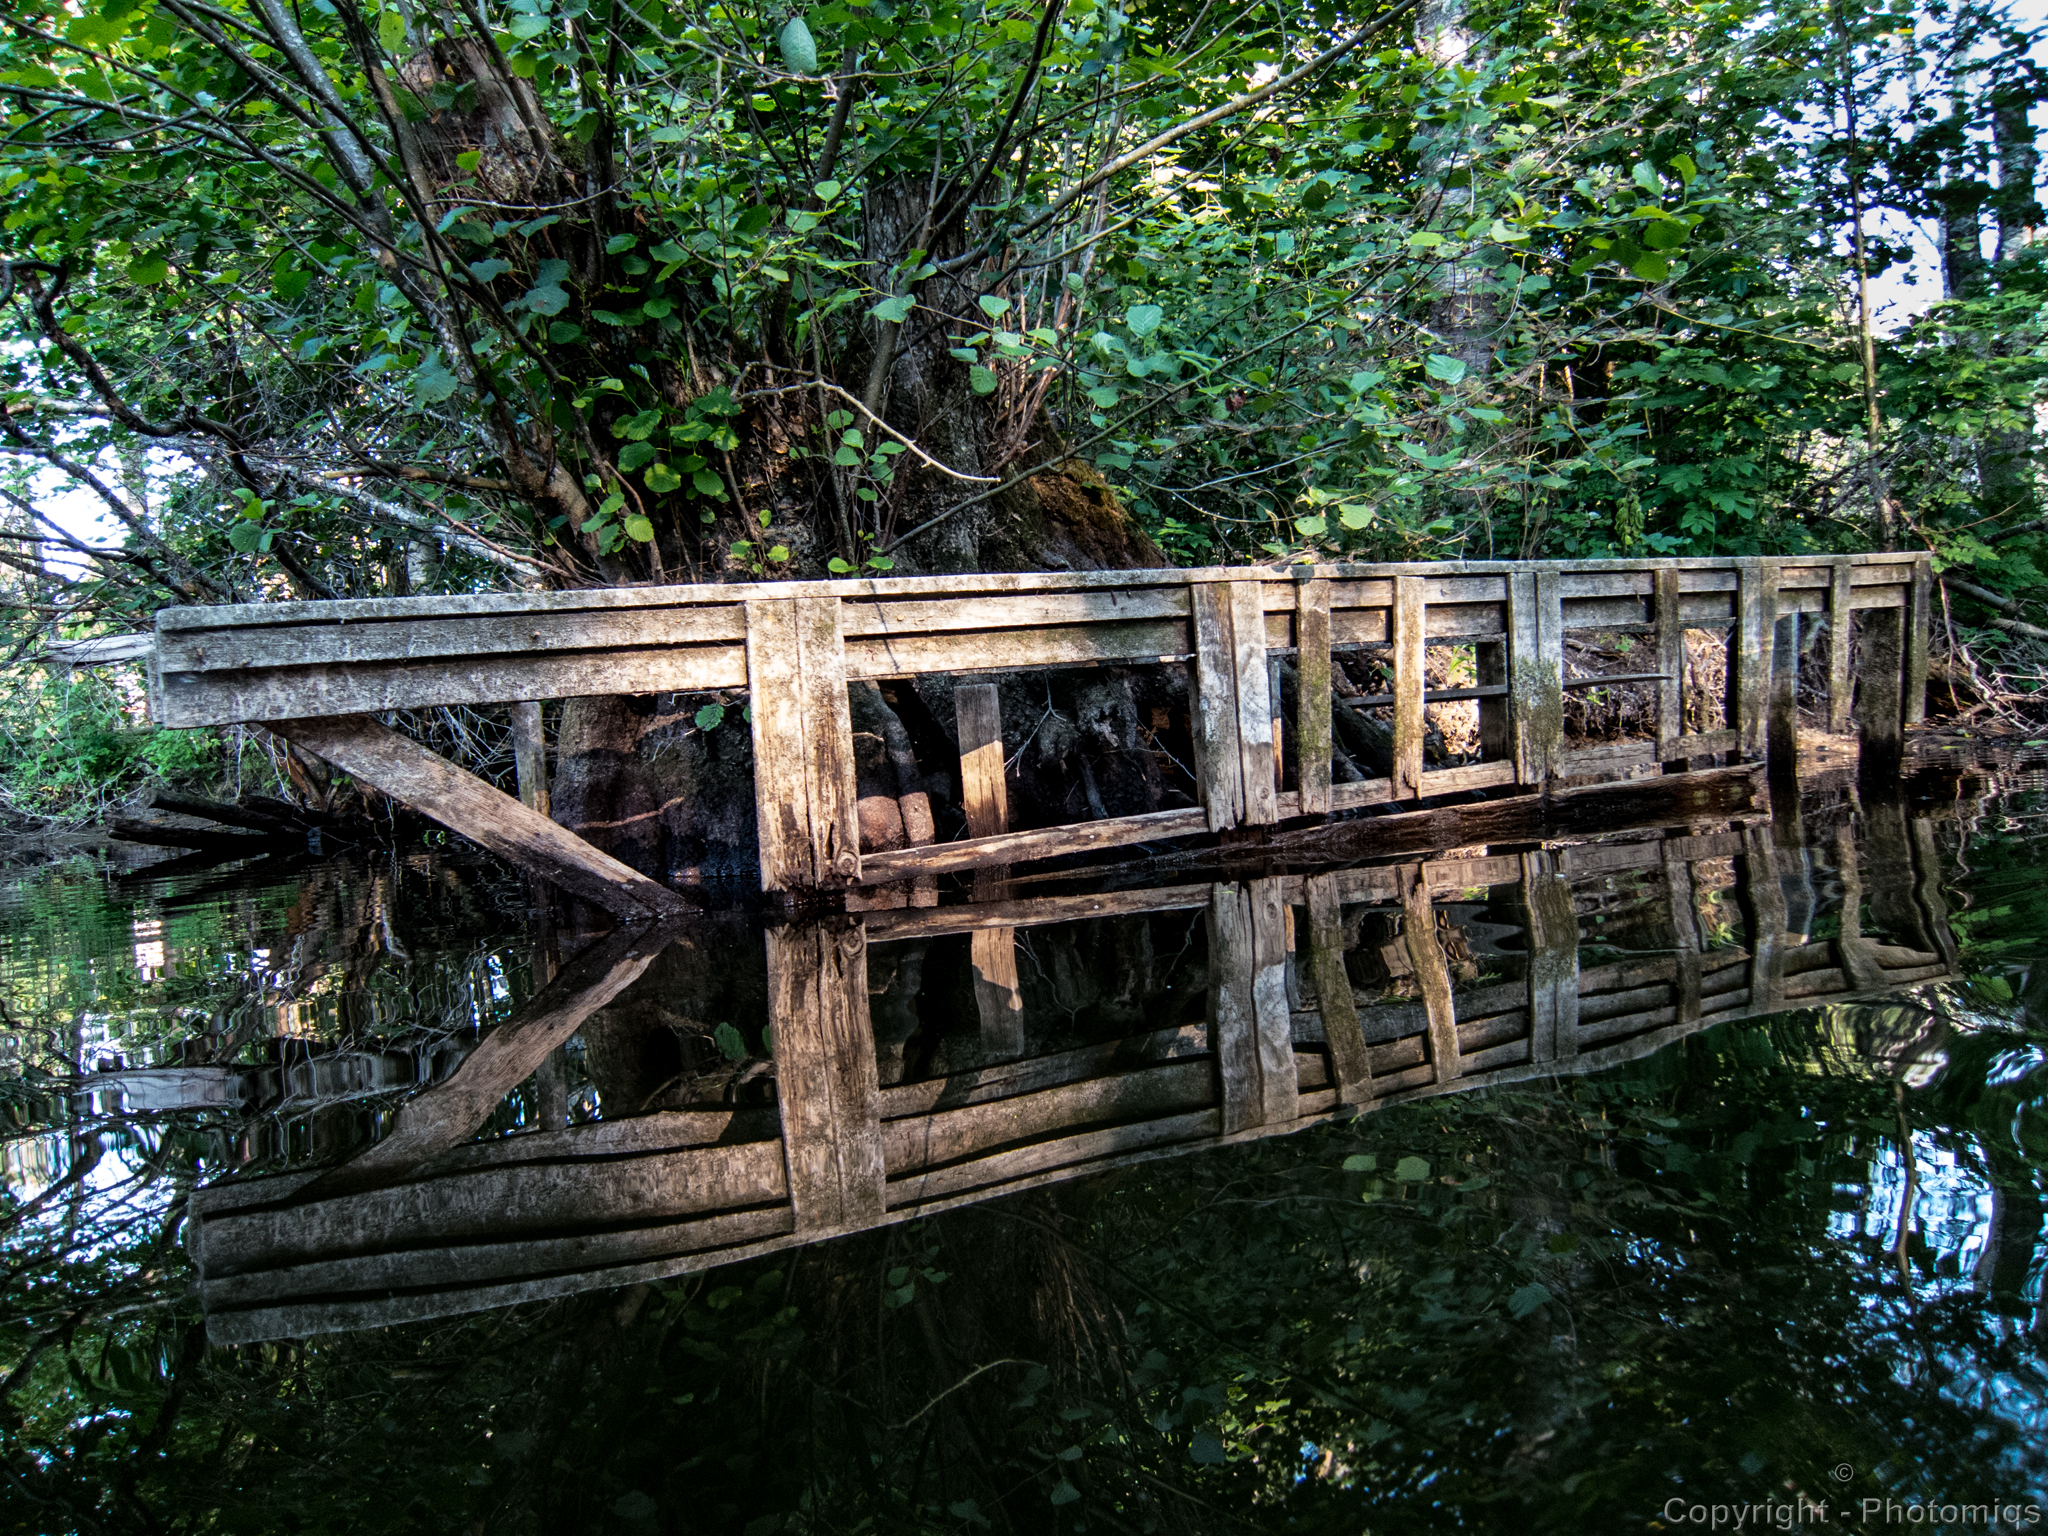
{"points": [[1566, 1302]]}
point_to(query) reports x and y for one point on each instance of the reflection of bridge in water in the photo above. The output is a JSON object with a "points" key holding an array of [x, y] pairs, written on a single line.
{"points": [[1262, 1006]]}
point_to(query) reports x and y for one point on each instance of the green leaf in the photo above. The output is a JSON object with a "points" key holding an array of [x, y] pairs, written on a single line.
{"points": [[638, 528], [846, 458], [634, 455], [661, 479], [706, 483], [1411, 1170], [620, 243], [432, 382], [1354, 517], [838, 567], [1447, 370], [827, 190], [1684, 165], [730, 1042], [895, 311], [1528, 1299], [1361, 1162], [982, 379], [1206, 1449], [753, 220], [1651, 268], [391, 31], [1064, 1492], [1143, 319], [995, 308], [799, 48], [708, 719], [1104, 396], [149, 270], [1664, 234]]}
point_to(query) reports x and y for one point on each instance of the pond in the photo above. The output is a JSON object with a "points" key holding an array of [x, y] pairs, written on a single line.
{"points": [[1683, 1172]]}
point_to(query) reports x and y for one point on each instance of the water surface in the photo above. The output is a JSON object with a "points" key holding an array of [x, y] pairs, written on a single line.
{"points": [[362, 1193]]}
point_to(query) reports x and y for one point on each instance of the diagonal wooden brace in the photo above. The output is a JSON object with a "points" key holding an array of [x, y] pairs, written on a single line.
{"points": [[406, 771]]}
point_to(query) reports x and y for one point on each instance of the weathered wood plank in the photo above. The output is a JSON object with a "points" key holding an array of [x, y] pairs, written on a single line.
{"points": [[805, 805], [1408, 687], [911, 655], [290, 693], [1219, 758], [1036, 843], [1349, 1061], [1840, 618], [1033, 610], [1553, 959], [1536, 670], [1918, 618], [1432, 976], [530, 756], [1490, 670], [1271, 953], [367, 641], [1781, 734], [826, 1084], [450, 1111], [1671, 662], [1880, 693], [984, 789], [460, 801], [998, 998], [1249, 1025], [1312, 696], [1254, 704], [1766, 901]]}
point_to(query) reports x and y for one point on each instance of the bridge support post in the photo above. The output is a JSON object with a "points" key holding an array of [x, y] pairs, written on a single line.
{"points": [[1749, 655], [1408, 626], [1233, 713], [984, 796], [1312, 696], [827, 1086], [1349, 1063], [805, 803], [1670, 621], [1841, 623], [1251, 1030], [1536, 671], [1432, 975], [1553, 959]]}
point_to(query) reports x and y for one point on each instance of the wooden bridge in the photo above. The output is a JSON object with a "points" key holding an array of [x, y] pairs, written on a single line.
{"points": [[428, 1223], [319, 673]]}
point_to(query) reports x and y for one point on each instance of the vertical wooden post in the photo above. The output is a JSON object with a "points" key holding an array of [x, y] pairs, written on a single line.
{"points": [[1918, 616], [1348, 1057], [1668, 617], [1749, 653], [984, 791], [1880, 709], [804, 797], [1766, 920], [1254, 703], [1249, 1029], [1851, 947], [1490, 669], [985, 797], [1536, 671], [1219, 762], [1685, 927], [1782, 731], [1841, 621], [1553, 959], [1312, 696], [530, 756], [1408, 684], [1432, 976], [826, 1086]]}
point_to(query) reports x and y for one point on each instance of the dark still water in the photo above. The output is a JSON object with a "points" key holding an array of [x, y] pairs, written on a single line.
{"points": [[1684, 1173]]}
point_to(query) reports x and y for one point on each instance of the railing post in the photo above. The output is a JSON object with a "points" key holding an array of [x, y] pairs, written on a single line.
{"points": [[1750, 649], [1670, 622], [1348, 1057], [805, 803], [827, 1088], [985, 797], [530, 756], [1782, 730], [1536, 671], [1250, 1030], [1432, 975], [1312, 696], [1407, 631], [1841, 626], [1254, 703], [1553, 959], [1918, 616]]}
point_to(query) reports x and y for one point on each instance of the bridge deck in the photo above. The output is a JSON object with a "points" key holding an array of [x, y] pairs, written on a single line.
{"points": [[318, 671]]}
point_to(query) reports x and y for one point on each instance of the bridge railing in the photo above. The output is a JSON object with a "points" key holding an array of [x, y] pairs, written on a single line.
{"points": [[318, 671]]}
